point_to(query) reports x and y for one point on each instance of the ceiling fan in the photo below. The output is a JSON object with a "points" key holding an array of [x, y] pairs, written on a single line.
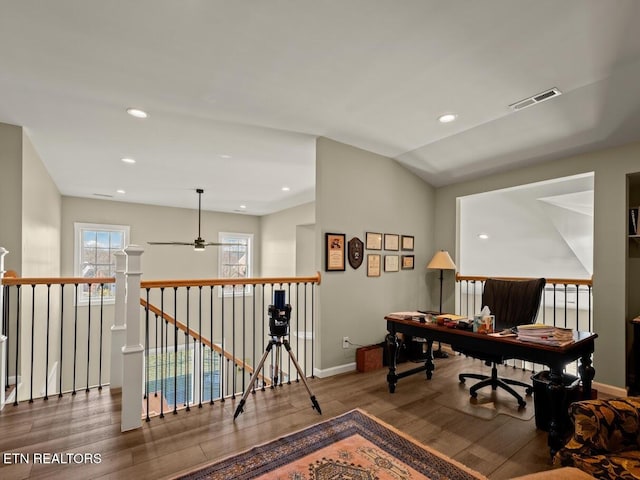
{"points": [[199, 243]]}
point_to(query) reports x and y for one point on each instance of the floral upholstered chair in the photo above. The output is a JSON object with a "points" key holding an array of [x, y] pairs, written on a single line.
{"points": [[606, 439]]}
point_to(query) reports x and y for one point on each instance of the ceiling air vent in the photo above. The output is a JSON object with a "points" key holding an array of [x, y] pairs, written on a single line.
{"points": [[103, 195], [540, 97]]}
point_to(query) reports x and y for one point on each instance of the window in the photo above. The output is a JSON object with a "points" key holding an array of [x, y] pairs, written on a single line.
{"points": [[94, 248], [234, 258]]}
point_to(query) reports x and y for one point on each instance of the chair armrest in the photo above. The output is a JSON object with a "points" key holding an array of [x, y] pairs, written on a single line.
{"points": [[604, 426]]}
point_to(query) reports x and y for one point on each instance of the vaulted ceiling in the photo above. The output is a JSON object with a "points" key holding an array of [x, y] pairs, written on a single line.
{"points": [[238, 91]]}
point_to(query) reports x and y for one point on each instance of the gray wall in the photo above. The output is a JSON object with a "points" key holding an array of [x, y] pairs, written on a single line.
{"points": [[30, 230], [11, 195], [153, 223], [610, 239], [41, 217], [358, 191]]}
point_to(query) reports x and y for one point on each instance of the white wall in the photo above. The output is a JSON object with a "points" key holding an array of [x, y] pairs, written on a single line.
{"points": [[279, 239], [610, 239], [531, 233], [358, 191]]}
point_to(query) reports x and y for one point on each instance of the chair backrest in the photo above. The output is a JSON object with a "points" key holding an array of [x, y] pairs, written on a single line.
{"points": [[513, 302]]}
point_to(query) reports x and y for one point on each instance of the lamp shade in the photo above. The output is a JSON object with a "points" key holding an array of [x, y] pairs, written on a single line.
{"points": [[441, 261]]}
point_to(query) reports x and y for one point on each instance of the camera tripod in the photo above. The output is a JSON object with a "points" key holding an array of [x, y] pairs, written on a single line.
{"points": [[276, 341]]}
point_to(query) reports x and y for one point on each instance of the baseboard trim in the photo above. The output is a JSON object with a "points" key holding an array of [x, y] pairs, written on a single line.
{"points": [[610, 389], [330, 372]]}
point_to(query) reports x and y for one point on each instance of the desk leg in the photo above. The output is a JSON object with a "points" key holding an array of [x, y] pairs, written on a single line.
{"points": [[392, 348], [428, 363], [587, 372], [556, 392]]}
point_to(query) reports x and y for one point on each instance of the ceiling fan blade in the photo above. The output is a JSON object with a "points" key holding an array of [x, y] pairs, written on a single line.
{"points": [[170, 243], [199, 242]]}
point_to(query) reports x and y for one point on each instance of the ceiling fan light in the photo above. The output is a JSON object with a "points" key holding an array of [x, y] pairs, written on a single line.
{"points": [[198, 247]]}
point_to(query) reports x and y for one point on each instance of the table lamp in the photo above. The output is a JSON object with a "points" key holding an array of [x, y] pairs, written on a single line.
{"points": [[441, 261]]}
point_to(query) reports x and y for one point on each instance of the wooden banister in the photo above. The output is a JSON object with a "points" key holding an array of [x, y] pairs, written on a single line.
{"points": [[12, 281], [555, 281], [208, 282], [193, 334]]}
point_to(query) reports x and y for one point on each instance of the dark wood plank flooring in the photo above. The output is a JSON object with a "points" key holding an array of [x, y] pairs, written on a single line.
{"points": [[438, 413]]}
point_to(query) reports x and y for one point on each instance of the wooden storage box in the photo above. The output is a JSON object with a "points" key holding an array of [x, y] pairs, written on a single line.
{"points": [[369, 358]]}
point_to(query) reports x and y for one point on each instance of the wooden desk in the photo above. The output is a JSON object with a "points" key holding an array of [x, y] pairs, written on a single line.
{"points": [[556, 358]]}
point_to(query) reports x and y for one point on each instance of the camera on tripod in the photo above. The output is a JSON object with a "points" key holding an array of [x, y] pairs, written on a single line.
{"points": [[279, 315]]}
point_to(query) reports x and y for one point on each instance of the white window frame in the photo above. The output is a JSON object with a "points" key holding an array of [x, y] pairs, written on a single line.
{"points": [[231, 237], [79, 228]]}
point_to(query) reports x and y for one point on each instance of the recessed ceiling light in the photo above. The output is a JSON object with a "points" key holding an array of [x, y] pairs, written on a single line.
{"points": [[224, 155], [447, 117], [483, 236], [120, 191], [128, 160], [136, 112], [243, 207], [285, 189]]}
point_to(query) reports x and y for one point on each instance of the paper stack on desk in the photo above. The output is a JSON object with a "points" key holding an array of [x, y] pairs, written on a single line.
{"points": [[418, 316], [545, 334]]}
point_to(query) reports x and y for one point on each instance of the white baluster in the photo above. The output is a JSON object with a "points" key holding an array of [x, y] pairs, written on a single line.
{"points": [[3, 339], [132, 352], [119, 328]]}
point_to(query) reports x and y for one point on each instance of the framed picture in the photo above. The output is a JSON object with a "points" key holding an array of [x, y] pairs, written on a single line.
{"points": [[373, 241], [391, 241], [407, 262], [391, 263], [373, 265], [407, 242], [335, 252]]}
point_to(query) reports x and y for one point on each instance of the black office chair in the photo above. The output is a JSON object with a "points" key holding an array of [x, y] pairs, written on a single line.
{"points": [[513, 302]]}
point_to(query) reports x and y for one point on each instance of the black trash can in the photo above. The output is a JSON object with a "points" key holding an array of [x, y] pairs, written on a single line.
{"points": [[542, 404]]}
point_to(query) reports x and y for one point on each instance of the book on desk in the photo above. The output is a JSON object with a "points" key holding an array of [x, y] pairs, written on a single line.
{"points": [[410, 315]]}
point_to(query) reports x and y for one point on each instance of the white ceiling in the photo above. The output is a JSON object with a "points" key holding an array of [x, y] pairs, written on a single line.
{"points": [[539, 229], [261, 80]]}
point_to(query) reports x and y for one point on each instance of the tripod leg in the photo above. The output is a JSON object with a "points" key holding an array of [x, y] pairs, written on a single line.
{"points": [[314, 402], [276, 367], [254, 377]]}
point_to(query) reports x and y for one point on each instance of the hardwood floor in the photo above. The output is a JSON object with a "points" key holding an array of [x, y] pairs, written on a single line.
{"points": [[433, 412]]}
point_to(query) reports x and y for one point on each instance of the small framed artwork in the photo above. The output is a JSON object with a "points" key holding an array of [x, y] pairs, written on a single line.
{"points": [[391, 241], [407, 262], [391, 263], [373, 241], [407, 242], [373, 265], [335, 252]]}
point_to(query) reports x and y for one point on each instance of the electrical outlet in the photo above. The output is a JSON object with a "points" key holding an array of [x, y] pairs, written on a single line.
{"points": [[345, 342]]}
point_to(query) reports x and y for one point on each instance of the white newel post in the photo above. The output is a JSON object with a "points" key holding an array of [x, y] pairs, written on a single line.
{"points": [[119, 328], [132, 357], [3, 339]]}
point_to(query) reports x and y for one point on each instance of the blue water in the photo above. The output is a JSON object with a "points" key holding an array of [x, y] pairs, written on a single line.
{"points": [[184, 384]]}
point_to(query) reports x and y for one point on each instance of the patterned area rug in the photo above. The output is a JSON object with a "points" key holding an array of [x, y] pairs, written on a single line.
{"points": [[355, 446]]}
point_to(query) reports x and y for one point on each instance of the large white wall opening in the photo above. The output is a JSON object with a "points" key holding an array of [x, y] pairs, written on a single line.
{"points": [[543, 229]]}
